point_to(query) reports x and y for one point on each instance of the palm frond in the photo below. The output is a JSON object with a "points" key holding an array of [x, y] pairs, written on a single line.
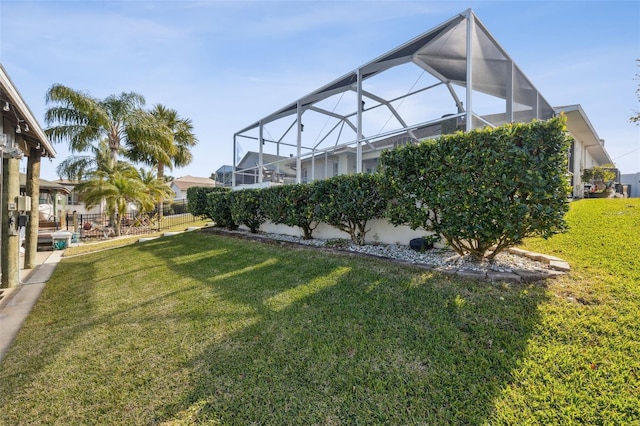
{"points": [[76, 168], [182, 138]]}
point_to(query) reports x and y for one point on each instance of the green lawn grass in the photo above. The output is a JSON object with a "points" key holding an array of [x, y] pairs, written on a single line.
{"points": [[205, 329], [582, 363], [86, 247]]}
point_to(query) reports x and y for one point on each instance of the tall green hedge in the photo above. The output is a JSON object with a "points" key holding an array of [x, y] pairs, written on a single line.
{"points": [[293, 205], [349, 202], [246, 208], [219, 209], [197, 199], [484, 188]]}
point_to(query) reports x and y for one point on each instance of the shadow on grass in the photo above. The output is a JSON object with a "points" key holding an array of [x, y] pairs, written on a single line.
{"points": [[341, 340], [197, 328], [49, 328]]}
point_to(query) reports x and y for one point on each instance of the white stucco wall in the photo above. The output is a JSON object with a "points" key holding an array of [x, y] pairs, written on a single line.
{"points": [[633, 180], [582, 159], [179, 195], [380, 231], [319, 169]]}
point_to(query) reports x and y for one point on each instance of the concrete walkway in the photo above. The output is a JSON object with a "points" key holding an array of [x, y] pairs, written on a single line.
{"points": [[17, 302]]}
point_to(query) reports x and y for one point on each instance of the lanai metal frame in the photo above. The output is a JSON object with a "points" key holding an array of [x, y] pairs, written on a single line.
{"points": [[460, 55]]}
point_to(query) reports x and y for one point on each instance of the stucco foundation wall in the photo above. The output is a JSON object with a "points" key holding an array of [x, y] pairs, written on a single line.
{"points": [[381, 231]]}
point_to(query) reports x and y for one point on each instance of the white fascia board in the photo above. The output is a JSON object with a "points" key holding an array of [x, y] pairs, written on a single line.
{"points": [[595, 144]]}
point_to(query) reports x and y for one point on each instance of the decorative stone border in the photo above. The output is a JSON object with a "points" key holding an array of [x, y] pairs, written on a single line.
{"points": [[517, 276], [557, 266], [554, 263]]}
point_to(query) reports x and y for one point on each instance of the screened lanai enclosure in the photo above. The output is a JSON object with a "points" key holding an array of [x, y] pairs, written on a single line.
{"points": [[453, 77]]}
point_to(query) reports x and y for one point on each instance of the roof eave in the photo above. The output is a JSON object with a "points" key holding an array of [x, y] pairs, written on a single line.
{"points": [[595, 143], [25, 111]]}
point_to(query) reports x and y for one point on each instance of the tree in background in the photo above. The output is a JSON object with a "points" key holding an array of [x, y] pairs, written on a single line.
{"points": [[78, 167], [118, 186], [115, 184], [99, 131], [84, 121], [156, 187], [601, 177], [175, 154]]}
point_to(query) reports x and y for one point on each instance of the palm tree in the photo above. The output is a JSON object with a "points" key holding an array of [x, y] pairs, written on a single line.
{"points": [[118, 187], [154, 186], [84, 121], [178, 155], [79, 167]]}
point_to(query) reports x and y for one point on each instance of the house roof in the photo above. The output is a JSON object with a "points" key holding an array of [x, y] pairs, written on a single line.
{"points": [[66, 182], [45, 184], [269, 161], [225, 169], [186, 182], [19, 112], [579, 125]]}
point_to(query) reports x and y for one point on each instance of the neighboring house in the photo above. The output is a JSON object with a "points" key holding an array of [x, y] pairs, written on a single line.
{"points": [[343, 160], [467, 81], [274, 169], [52, 200], [74, 200], [632, 180], [180, 185], [224, 175]]}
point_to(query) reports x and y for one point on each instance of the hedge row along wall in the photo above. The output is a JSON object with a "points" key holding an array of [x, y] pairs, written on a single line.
{"points": [[197, 199], [485, 188], [480, 191], [346, 202]]}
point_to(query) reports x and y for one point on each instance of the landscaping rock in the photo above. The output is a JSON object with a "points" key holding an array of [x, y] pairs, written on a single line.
{"points": [[531, 276], [559, 265], [517, 266]]}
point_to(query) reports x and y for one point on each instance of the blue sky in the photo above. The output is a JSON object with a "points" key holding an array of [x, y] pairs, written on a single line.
{"points": [[226, 64]]}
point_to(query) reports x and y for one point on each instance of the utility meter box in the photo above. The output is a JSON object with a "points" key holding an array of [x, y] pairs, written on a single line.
{"points": [[24, 203]]}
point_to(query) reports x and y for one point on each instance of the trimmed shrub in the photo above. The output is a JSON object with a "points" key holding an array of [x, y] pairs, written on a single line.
{"points": [[348, 202], [170, 208], [219, 209], [179, 208], [197, 199], [292, 205], [245, 208], [484, 188]]}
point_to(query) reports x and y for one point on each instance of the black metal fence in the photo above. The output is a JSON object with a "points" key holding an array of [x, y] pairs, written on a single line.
{"points": [[101, 226]]}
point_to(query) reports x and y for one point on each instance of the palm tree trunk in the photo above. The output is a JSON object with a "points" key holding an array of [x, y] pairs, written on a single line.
{"points": [[113, 223], [161, 201], [114, 145]]}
